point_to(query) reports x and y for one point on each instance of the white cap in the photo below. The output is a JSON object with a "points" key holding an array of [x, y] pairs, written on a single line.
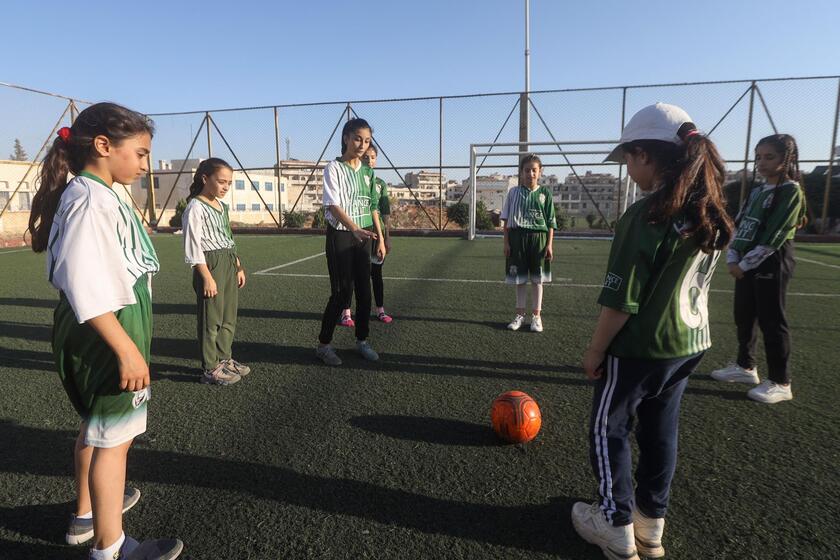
{"points": [[655, 122]]}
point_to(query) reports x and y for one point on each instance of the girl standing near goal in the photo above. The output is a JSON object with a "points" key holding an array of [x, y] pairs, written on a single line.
{"points": [[761, 260], [528, 213], [217, 271], [101, 260], [352, 214], [653, 328]]}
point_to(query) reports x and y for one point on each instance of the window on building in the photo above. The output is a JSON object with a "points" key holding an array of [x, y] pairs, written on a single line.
{"points": [[269, 186], [240, 186], [241, 207], [256, 185], [256, 207], [282, 187], [271, 207]]}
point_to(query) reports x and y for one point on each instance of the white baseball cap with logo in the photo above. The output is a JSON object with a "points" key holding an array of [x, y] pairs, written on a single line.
{"points": [[660, 121]]}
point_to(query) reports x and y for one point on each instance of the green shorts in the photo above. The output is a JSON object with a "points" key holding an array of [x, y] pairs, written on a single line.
{"points": [[90, 373], [527, 257]]}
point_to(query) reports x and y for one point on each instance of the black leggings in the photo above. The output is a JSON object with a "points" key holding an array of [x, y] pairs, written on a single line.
{"points": [[348, 262], [378, 287], [760, 298]]}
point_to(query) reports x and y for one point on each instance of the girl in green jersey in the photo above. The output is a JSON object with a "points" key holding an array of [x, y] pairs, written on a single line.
{"points": [[653, 327], [101, 260]]}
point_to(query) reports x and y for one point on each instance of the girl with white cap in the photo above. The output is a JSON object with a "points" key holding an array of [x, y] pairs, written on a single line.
{"points": [[653, 328]]}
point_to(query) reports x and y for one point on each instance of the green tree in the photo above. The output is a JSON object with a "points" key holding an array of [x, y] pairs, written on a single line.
{"points": [[19, 153], [561, 217], [319, 220], [590, 219], [294, 219], [458, 213], [175, 220], [483, 220]]}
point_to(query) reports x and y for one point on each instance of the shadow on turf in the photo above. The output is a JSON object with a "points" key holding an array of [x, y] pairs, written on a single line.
{"points": [[543, 527], [30, 551], [425, 429], [27, 359]]}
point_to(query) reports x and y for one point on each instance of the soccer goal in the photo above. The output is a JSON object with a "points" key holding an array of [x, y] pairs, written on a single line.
{"points": [[484, 151]]}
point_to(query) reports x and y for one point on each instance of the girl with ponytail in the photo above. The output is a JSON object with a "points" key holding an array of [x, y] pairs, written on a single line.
{"points": [[653, 328], [761, 260], [101, 260], [217, 271]]}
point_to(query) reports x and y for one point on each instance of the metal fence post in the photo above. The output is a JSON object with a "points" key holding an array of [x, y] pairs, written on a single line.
{"points": [[209, 138], [150, 197], [277, 167], [747, 148], [830, 171], [621, 165], [440, 163]]}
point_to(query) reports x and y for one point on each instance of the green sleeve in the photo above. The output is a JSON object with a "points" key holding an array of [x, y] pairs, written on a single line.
{"points": [[786, 215], [630, 264], [550, 216], [384, 201], [374, 197]]}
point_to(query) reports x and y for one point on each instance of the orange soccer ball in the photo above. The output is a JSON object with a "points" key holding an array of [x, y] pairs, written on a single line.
{"points": [[516, 417]]}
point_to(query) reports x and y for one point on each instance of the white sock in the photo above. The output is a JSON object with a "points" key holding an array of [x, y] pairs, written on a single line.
{"points": [[537, 295], [88, 515], [107, 553]]}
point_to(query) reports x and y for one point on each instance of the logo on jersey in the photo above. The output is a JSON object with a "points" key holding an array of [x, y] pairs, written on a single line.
{"points": [[140, 397], [768, 201], [694, 291], [513, 270], [367, 180], [747, 229], [542, 198], [612, 281]]}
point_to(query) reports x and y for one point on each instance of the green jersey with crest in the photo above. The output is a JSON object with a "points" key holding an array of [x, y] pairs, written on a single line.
{"points": [[380, 192], [351, 190], [660, 278], [529, 209]]}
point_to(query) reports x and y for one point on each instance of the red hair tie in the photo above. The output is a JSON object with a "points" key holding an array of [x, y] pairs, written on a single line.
{"points": [[691, 133], [64, 133]]}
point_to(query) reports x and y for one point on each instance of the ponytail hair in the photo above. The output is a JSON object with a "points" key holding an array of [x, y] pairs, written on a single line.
{"points": [[692, 174], [350, 127], [785, 145], [70, 152], [206, 168]]}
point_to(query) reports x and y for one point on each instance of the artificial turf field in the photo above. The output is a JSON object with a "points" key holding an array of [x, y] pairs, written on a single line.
{"points": [[396, 459]]}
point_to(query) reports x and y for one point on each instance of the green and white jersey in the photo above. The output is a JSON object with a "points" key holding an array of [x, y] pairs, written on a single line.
{"points": [[529, 209], [205, 229], [380, 191], [352, 191], [98, 249], [764, 225], [662, 280]]}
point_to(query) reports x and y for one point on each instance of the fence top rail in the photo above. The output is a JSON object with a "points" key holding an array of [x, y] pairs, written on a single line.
{"points": [[563, 153], [51, 94], [473, 95], [558, 143]]}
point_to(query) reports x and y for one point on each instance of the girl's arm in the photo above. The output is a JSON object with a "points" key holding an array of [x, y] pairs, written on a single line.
{"points": [[380, 248], [240, 273], [610, 322], [549, 248], [134, 371], [210, 288], [359, 233], [507, 243]]}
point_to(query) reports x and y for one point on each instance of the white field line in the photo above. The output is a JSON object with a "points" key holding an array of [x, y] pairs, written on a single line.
{"points": [[817, 262], [290, 263], [15, 251], [564, 282]]}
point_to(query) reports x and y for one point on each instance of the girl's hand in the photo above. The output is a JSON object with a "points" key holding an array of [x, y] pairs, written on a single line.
{"points": [[507, 249], [381, 251], [363, 235], [549, 253], [210, 289], [134, 371], [388, 243], [736, 271], [592, 364], [240, 277]]}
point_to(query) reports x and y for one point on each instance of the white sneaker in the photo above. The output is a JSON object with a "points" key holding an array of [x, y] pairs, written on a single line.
{"points": [[648, 532], [770, 392], [536, 323], [327, 355], [617, 543], [517, 322], [733, 373], [368, 353]]}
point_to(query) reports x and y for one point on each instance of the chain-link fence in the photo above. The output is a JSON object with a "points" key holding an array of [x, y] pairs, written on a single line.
{"points": [[424, 148]]}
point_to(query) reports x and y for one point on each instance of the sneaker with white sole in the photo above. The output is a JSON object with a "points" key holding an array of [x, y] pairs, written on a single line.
{"points": [[648, 532], [617, 543], [327, 355], [220, 375], [733, 373], [363, 347], [152, 549], [536, 323], [238, 368], [516, 324], [770, 392], [80, 530]]}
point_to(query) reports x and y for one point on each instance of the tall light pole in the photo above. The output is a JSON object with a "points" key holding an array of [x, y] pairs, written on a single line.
{"points": [[523, 100]]}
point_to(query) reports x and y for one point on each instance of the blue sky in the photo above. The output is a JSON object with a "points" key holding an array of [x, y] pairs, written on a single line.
{"points": [[180, 55]]}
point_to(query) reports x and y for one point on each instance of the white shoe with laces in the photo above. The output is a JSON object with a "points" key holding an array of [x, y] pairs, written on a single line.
{"points": [[536, 323], [733, 373], [516, 324], [648, 532], [617, 543], [770, 392]]}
